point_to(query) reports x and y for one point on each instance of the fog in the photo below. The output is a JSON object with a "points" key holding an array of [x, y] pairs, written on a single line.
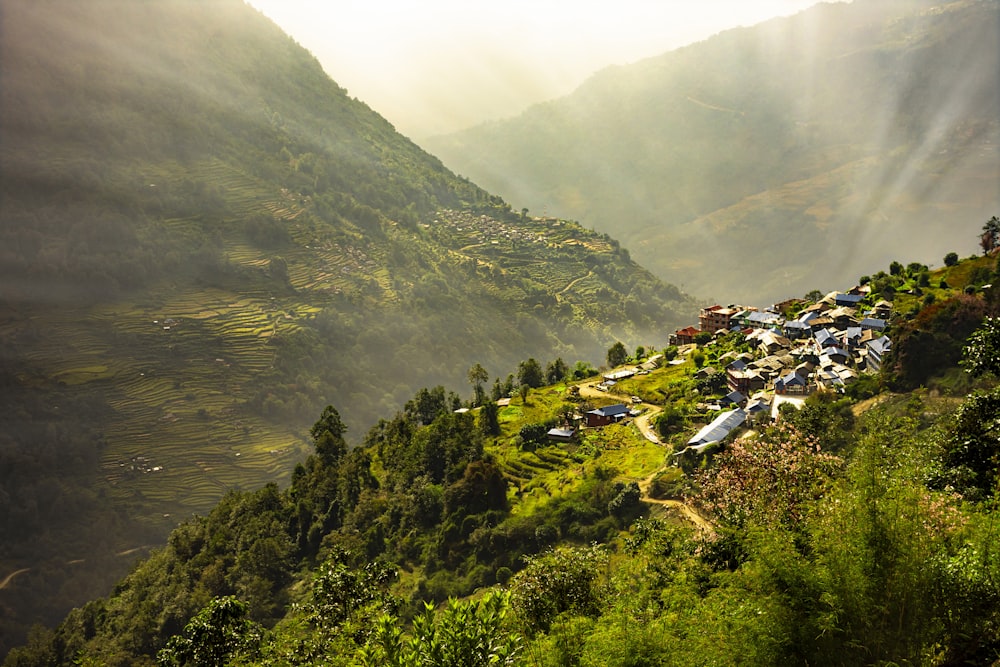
{"points": [[442, 65]]}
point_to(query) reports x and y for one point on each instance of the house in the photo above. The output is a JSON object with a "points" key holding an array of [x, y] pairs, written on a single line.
{"points": [[882, 310], [758, 405], [794, 329], [734, 398], [684, 336], [737, 365], [824, 338], [561, 434], [852, 337], [759, 320], [609, 414], [746, 381], [792, 383], [619, 375], [878, 349], [715, 318], [772, 342], [820, 322], [873, 323], [843, 317], [850, 300], [652, 363], [718, 429], [835, 354]]}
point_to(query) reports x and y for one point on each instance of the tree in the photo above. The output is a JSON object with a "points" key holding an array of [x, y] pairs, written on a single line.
{"points": [[328, 436], [489, 418], [217, 633], [951, 259], [703, 338], [556, 371], [640, 352], [278, 269], [529, 374], [990, 237], [617, 354], [468, 633], [895, 268], [982, 354], [477, 377], [813, 295]]}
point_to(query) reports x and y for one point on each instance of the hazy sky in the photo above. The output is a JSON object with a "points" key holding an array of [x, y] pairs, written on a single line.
{"points": [[436, 66]]}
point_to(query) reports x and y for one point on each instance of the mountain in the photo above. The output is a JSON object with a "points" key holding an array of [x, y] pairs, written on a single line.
{"points": [[796, 152], [205, 241]]}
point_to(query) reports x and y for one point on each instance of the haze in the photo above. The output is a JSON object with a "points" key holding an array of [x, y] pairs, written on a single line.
{"points": [[439, 66]]}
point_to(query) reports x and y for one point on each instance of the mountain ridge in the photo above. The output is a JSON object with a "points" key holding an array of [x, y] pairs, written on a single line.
{"points": [[645, 151]]}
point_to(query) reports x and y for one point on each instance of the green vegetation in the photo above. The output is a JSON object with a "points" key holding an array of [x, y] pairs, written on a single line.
{"points": [[837, 535], [753, 160], [205, 240]]}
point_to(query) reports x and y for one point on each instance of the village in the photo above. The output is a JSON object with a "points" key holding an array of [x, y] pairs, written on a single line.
{"points": [[798, 348]]}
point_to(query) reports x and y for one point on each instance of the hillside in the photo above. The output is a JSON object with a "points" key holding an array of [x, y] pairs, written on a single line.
{"points": [[801, 150], [858, 528], [205, 241]]}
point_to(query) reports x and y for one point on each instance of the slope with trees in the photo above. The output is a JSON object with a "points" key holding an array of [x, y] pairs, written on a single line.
{"points": [[204, 241]]}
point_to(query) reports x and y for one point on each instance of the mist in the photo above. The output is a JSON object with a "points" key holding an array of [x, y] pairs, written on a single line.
{"points": [[437, 67]]}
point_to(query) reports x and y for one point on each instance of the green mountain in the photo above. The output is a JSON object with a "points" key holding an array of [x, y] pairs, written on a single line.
{"points": [[797, 152], [205, 241], [859, 528]]}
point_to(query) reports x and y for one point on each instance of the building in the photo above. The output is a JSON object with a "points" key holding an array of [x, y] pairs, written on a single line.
{"points": [[609, 414], [684, 336], [561, 434], [878, 349], [792, 383], [720, 427], [716, 318]]}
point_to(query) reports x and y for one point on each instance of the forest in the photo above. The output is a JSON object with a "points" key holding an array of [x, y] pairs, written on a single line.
{"points": [[860, 529]]}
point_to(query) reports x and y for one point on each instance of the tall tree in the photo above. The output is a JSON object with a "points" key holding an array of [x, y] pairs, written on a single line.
{"points": [[990, 238], [477, 377], [529, 374], [617, 354]]}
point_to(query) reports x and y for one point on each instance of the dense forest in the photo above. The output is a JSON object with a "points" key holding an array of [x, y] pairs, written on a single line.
{"points": [[858, 529], [806, 149], [205, 240]]}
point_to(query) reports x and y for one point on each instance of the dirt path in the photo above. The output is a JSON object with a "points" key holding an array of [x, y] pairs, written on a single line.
{"points": [[688, 512], [10, 577], [574, 282]]}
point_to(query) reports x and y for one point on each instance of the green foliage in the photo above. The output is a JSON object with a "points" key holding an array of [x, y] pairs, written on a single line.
{"points": [[219, 633], [982, 353], [951, 259], [559, 581], [529, 374], [475, 633], [617, 354]]}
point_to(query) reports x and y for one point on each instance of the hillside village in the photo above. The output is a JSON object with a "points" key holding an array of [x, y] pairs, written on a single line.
{"points": [[798, 348]]}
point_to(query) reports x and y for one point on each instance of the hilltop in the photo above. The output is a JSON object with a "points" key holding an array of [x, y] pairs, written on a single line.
{"points": [[205, 241], [801, 150]]}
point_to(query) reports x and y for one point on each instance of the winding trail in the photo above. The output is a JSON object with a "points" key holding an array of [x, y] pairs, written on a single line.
{"points": [[10, 577], [642, 422]]}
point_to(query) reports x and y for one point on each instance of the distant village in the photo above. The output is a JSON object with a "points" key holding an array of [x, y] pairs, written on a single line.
{"points": [[824, 346]]}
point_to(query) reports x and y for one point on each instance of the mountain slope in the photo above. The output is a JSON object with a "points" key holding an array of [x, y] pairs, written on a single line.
{"points": [[849, 132], [204, 241]]}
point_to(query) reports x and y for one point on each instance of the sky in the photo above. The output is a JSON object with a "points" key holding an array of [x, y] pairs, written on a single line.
{"points": [[437, 66]]}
